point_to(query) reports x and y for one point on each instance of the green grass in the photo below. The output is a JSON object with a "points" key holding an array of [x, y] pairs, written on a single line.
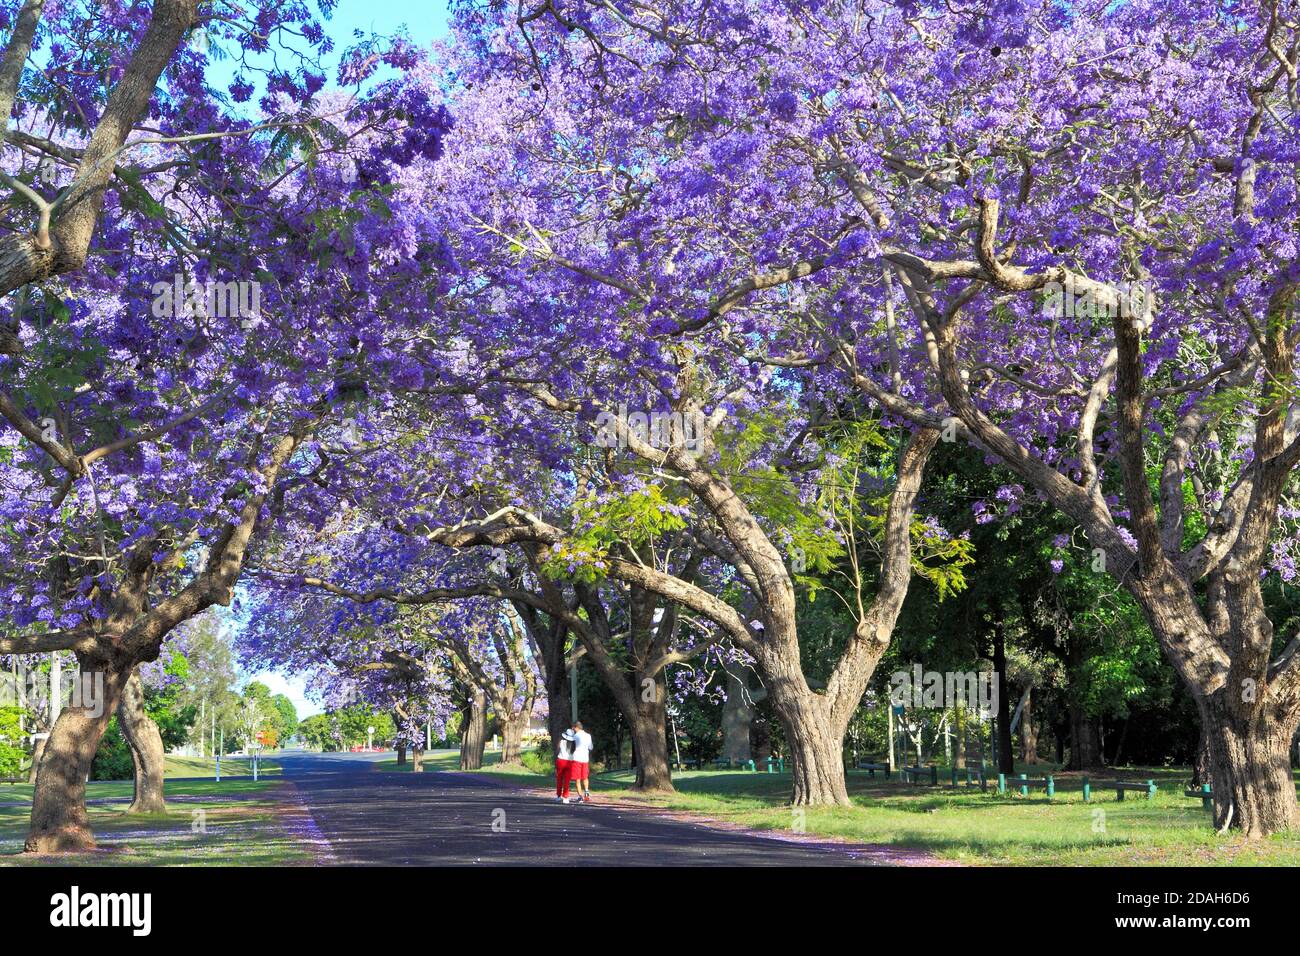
{"points": [[970, 826], [206, 766], [182, 767], [232, 823]]}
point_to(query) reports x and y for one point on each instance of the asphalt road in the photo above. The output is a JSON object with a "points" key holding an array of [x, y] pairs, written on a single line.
{"points": [[371, 817]]}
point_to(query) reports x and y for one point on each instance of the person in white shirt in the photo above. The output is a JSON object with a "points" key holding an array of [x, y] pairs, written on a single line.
{"points": [[563, 765], [581, 759]]}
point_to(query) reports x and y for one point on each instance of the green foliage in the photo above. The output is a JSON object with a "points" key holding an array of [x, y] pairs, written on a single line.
{"points": [[11, 740], [539, 761], [113, 759], [940, 558], [347, 727], [286, 720], [163, 706], [635, 519], [316, 732]]}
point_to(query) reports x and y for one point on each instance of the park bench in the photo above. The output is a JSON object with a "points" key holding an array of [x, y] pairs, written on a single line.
{"points": [[1121, 787], [689, 763], [1207, 798], [774, 765], [870, 766], [1047, 784], [972, 777], [928, 775]]}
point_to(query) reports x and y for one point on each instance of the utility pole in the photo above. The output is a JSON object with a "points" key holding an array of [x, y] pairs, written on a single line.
{"points": [[891, 736]]}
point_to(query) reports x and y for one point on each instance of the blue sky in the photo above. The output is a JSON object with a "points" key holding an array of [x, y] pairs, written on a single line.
{"points": [[423, 22]]}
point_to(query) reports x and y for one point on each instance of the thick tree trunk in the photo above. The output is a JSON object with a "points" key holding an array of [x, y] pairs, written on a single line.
{"points": [[737, 715], [1250, 771], [512, 736], [650, 739], [474, 735], [59, 823], [147, 753], [401, 755], [1201, 762], [816, 749], [559, 703], [417, 760], [1084, 750]]}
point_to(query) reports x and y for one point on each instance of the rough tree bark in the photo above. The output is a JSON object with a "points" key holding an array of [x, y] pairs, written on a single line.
{"points": [[512, 736], [1201, 762], [815, 739], [474, 732], [147, 754], [649, 727], [59, 823], [737, 714], [1084, 743]]}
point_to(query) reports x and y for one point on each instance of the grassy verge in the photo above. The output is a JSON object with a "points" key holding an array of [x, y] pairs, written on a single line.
{"points": [[230, 766], [969, 825], [433, 760], [232, 823]]}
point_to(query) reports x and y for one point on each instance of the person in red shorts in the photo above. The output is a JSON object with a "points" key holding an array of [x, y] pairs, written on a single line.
{"points": [[578, 769], [563, 766]]}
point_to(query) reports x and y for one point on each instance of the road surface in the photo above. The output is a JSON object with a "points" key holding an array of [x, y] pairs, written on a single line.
{"points": [[371, 817]]}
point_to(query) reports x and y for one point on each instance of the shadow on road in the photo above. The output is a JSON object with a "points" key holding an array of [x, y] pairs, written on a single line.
{"points": [[445, 819]]}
